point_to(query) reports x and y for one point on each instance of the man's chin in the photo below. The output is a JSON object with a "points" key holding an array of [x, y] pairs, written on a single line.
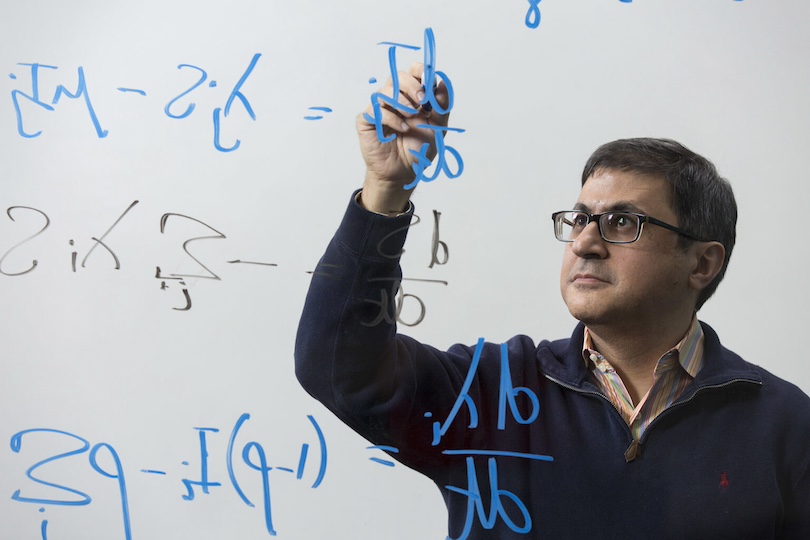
{"points": [[590, 314], [582, 308], [586, 317]]}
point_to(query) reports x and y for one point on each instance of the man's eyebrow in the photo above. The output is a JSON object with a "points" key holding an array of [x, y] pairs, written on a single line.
{"points": [[619, 206]]}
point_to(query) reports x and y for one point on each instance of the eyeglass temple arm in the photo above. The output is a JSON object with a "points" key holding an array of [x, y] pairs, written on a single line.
{"points": [[673, 229]]}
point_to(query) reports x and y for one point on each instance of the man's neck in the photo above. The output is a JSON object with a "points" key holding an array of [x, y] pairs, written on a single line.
{"points": [[634, 352]]}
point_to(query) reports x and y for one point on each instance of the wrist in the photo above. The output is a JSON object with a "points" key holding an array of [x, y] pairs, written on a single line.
{"points": [[385, 200], [406, 207]]}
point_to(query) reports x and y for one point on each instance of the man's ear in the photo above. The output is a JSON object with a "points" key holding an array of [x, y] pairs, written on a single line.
{"points": [[709, 258]]}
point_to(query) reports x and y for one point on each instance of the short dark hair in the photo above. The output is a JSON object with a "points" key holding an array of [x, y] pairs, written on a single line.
{"points": [[703, 201]]}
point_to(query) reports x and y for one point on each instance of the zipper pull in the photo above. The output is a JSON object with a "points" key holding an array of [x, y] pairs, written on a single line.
{"points": [[634, 451]]}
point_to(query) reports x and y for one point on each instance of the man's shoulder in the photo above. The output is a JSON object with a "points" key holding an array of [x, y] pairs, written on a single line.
{"points": [[559, 348], [522, 348], [775, 390], [782, 391], [559, 359]]}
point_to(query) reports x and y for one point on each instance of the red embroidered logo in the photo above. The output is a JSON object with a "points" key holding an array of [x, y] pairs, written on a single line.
{"points": [[723, 481]]}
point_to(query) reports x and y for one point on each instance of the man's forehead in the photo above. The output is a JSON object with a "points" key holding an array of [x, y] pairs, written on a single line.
{"points": [[619, 206], [624, 191]]}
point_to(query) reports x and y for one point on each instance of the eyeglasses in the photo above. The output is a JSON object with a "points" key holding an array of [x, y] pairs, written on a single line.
{"points": [[614, 227]]}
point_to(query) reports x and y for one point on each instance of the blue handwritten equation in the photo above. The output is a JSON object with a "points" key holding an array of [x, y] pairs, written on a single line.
{"points": [[34, 78], [104, 460], [102, 248], [430, 80], [507, 403]]}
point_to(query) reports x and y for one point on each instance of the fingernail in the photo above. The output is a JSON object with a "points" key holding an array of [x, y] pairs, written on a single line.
{"points": [[420, 95], [404, 126]]}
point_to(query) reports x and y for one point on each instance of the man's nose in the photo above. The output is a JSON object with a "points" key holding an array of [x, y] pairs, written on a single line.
{"points": [[590, 243]]}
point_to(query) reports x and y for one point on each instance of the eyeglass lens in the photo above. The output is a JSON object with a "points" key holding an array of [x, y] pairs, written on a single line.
{"points": [[615, 226]]}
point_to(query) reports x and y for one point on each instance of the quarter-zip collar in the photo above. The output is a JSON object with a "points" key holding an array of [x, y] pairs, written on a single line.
{"points": [[561, 360]]}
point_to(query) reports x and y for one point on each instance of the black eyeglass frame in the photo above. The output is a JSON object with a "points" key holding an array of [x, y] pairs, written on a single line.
{"points": [[642, 219]]}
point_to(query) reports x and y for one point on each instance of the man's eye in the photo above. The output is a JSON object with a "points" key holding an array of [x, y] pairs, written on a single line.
{"points": [[619, 221], [580, 220]]}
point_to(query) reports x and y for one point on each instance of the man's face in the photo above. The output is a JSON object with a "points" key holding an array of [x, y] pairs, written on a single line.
{"points": [[626, 285]]}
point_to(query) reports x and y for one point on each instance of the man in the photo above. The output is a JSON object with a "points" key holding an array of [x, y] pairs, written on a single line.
{"points": [[640, 425]]}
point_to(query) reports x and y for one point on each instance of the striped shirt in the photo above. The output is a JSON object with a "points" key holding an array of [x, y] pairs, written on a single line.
{"points": [[674, 371]]}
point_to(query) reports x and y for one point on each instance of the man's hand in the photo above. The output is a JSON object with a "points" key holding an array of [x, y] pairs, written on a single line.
{"points": [[388, 165]]}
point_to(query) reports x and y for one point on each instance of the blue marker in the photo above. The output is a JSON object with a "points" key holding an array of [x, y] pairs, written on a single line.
{"points": [[429, 71], [427, 107]]}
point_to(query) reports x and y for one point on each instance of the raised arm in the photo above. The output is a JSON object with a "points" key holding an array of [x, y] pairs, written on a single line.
{"points": [[348, 354]]}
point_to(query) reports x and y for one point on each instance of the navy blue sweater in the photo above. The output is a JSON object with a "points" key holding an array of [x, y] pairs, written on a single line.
{"points": [[519, 439]]}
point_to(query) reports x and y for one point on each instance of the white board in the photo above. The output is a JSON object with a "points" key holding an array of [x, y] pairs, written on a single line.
{"points": [[99, 365]]}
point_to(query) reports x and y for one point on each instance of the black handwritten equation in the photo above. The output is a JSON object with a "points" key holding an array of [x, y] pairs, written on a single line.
{"points": [[104, 251], [392, 290], [71, 450]]}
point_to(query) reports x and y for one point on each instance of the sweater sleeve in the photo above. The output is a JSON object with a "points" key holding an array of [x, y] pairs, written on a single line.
{"points": [[349, 356]]}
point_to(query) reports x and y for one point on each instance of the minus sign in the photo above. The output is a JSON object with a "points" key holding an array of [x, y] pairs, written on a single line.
{"points": [[251, 262], [382, 461], [426, 280], [132, 90], [150, 471]]}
